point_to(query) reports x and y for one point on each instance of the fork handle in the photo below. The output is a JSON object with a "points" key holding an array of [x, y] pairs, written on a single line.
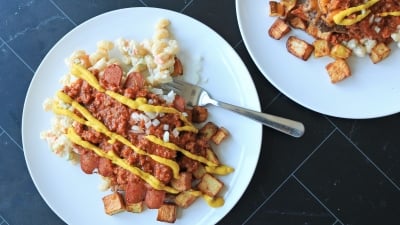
{"points": [[287, 126]]}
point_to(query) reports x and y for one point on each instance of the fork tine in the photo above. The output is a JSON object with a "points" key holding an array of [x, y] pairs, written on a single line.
{"points": [[171, 86]]}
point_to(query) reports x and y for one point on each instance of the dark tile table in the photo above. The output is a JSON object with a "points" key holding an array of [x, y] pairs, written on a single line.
{"points": [[340, 172]]}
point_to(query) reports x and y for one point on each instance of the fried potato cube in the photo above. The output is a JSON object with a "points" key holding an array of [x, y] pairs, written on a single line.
{"points": [[278, 29], [321, 48], [317, 33], [211, 156], [199, 114], [113, 203], [289, 4], [276, 8], [338, 70], [208, 130], [185, 199], [183, 183], [379, 52], [220, 135], [210, 185], [297, 23], [339, 51], [167, 213], [199, 172], [135, 207], [299, 48]]}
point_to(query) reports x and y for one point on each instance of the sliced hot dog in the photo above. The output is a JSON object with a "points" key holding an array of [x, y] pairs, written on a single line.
{"points": [[112, 76], [134, 79]]}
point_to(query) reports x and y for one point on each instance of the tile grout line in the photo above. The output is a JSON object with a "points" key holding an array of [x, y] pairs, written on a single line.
{"points": [[187, 5], [238, 43], [316, 198], [4, 132], [144, 4], [19, 57], [290, 175], [62, 11], [366, 156]]}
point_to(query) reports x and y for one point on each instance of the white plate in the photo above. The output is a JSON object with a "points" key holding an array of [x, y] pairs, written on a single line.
{"points": [[372, 91], [73, 195]]}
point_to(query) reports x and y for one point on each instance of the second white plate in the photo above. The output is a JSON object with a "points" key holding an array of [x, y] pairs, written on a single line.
{"points": [[372, 90]]}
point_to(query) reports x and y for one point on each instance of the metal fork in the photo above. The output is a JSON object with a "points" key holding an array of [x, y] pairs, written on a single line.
{"points": [[195, 95]]}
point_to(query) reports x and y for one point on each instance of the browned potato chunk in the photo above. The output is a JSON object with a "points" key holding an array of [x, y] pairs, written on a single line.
{"points": [[297, 23], [299, 48], [220, 135], [317, 33], [276, 8], [199, 114], [135, 207], [208, 130], [338, 70], [198, 174], [321, 48], [379, 52], [154, 198], [167, 213], [185, 199], [211, 156], [339, 51], [278, 29], [113, 203], [183, 183], [289, 4], [210, 185]]}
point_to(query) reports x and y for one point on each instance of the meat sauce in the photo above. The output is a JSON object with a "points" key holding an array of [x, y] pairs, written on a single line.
{"points": [[117, 118], [373, 27]]}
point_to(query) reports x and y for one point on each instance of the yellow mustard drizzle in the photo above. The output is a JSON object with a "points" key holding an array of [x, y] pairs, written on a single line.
{"points": [[340, 18], [394, 13], [81, 72], [150, 179], [175, 147], [219, 170], [92, 122], [213, 202]]}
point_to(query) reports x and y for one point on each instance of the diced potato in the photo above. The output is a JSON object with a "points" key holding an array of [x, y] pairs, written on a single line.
{"points": [[113, 203], [220, 135], [379, 52], [210, 185], [208, 130], [135, 207], [317, 33], [185, 199], [299, 48], [183, 183], [276, 8], [199, 114], [278, 29], [198, 174], [167, 213], [297, 23], [211, 156], [289, 4], [321, 48], [338, 70], [339, 51]]}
